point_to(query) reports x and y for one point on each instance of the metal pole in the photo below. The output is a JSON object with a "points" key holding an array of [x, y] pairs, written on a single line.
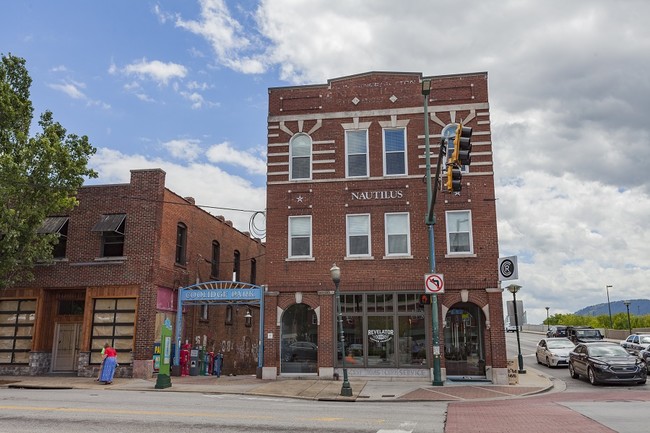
{"points": [[548, 324], [519, 357], [609, 307], [629, 322], [346, 389], [430, 221]]}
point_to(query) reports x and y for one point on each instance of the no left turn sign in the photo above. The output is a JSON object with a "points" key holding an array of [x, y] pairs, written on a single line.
{"points": [[434, 283]]}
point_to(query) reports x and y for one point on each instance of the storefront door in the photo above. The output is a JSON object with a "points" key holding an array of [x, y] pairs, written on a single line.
{"points": [[464, 341], [66, 346]]}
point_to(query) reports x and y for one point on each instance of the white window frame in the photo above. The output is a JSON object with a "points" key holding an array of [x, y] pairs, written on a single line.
{"points": [[450, 232], [292, 157], [348, 234], [348, 154], [385, 152], [396, 233], [300, 235]]}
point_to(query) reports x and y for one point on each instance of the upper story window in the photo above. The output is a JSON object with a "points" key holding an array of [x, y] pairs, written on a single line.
{"points": [[214, 263], [236, 267], [58, 226], [398, 238], [300, 157], [358, 235], [300, 236], [394, 151], [112, 228], [356, 153], [253, 271], [181, 244], [459, 232]]}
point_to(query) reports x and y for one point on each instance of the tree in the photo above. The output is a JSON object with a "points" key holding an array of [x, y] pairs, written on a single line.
{"points": [[39, 175]]}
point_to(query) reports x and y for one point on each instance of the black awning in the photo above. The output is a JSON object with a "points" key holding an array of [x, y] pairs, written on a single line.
{"points": [[109, 223], [52, 225]]}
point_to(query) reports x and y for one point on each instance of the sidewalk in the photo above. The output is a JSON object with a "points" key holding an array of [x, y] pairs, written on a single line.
{"points": [[363, 389]]}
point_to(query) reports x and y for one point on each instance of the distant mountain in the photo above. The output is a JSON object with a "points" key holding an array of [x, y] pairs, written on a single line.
{"points": [[638, 307]]}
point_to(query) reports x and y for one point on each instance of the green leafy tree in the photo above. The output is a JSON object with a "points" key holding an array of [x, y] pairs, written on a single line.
{"points": [[39, 175]]}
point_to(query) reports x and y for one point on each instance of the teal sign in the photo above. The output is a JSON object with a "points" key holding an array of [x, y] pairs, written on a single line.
{"points": [[221, 294]]}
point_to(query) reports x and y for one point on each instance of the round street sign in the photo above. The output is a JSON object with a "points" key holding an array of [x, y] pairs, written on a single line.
{"points": [[434, 283]]}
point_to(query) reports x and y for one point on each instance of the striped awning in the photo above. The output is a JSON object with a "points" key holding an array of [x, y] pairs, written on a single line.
{"points": [[52, 225], [109, 223]]}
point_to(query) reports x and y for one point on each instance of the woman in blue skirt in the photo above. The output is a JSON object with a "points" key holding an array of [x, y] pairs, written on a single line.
{"points": [[108, 367]]}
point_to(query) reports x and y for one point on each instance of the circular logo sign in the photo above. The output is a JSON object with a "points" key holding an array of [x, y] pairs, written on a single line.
{"points": [[507, 268]]}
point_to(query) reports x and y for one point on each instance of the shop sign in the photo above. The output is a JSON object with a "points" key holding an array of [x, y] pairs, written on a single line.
{"points": [[377, 195], [380, 335]]}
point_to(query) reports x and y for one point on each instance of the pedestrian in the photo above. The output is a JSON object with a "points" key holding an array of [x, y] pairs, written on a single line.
{"points": [[101, 365], [108, 365]]}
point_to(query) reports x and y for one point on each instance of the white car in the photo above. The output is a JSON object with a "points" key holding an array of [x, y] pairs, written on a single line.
{"points": [[511, 328], [554, 352]]}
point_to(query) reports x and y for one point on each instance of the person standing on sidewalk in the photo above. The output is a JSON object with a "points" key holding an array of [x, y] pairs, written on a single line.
{"points": [[108, 365], [101, 365]]}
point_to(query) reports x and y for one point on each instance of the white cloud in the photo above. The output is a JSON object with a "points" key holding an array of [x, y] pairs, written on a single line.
{"points": [[187, 150], [156, 70], [209, 185], [226, 153], [70, 89]]}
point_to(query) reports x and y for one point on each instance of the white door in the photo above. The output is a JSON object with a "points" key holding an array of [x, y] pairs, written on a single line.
{"points": [[66, 346]]}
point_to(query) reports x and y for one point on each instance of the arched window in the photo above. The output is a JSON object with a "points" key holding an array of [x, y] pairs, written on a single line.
{"points": [[300, 157], [214, 268], [181, 244], [236, 266], [253, 271]]}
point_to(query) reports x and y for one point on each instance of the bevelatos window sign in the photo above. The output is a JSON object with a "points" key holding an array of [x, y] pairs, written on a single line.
{"points": [[380, 335]]}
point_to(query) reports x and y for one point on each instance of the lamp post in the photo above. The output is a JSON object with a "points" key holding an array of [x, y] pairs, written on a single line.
{"points": [[629, 323], [335, 272], [609, 307], [513, 288], [548, 324], [430, 221]]}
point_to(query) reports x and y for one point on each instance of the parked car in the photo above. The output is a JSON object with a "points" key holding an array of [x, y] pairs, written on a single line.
{"points": [[300, 351], [583, 334], [606, 362], [554, 352], [635, 343], [645, 354], [511, 328], [556, 331]]}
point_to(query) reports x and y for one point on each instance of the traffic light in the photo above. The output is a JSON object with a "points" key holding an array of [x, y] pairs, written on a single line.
{"points": [[454, 176], [463, 143], [425, 300]]}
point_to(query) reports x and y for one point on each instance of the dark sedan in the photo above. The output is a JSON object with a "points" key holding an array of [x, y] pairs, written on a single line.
{"points": [[606, 362]]}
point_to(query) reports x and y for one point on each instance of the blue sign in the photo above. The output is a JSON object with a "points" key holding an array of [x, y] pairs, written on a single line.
{"points": [[221, 294]]}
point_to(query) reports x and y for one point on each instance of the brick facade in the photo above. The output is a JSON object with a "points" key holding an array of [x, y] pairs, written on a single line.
{"points": [[374, 102], [147, 272]]}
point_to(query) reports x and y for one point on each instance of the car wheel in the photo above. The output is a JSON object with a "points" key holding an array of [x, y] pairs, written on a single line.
{"points": [[592, 376], [572, 371]]}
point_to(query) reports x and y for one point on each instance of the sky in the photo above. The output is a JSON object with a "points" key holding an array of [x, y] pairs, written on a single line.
{"points": [[183, 85]]}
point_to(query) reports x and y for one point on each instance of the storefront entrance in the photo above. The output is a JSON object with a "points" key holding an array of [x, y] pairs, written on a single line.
{"points": [[464, 341], [66, 346], [299, 350]]}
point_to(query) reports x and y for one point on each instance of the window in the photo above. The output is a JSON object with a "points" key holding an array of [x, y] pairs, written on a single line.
{"points": [[113, 323], [214, 264], [59, 226], [459, 232], [236, 266], [397, 234], [16, 330], [356, 158], [181, 243], [112, 228], [300, 236], [228, 320], [300, 157], [394, 151], [204, 313], [253, 271], [358, 235]]}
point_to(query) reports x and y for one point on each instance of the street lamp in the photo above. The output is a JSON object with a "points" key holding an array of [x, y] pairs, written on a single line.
{"points": [[513, 288], [335, 272], [430, 220], [629, 323], [609, 307], [548, 324]]}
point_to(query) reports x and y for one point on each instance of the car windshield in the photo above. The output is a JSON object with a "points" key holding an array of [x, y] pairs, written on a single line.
{"points": [[612, 350], [588, 333], [645, 339], [560, 344]]}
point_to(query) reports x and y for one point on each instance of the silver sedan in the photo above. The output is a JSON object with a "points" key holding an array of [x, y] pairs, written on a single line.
{"points": [[554, 352]]}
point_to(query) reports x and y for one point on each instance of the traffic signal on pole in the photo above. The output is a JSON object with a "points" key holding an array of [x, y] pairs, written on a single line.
{"points": [[454, 176], [425, 300], [463, 143]]}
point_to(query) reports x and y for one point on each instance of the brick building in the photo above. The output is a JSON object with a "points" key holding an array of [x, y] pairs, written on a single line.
{"points": [[346, 171], [123, 253]]}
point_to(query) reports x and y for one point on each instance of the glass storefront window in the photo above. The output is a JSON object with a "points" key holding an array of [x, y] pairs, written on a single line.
{"points": [[299, 348], [412, 340], [381, 341]]}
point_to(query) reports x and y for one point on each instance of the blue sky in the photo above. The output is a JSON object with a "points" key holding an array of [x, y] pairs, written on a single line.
{"points": [[182, 85]]}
